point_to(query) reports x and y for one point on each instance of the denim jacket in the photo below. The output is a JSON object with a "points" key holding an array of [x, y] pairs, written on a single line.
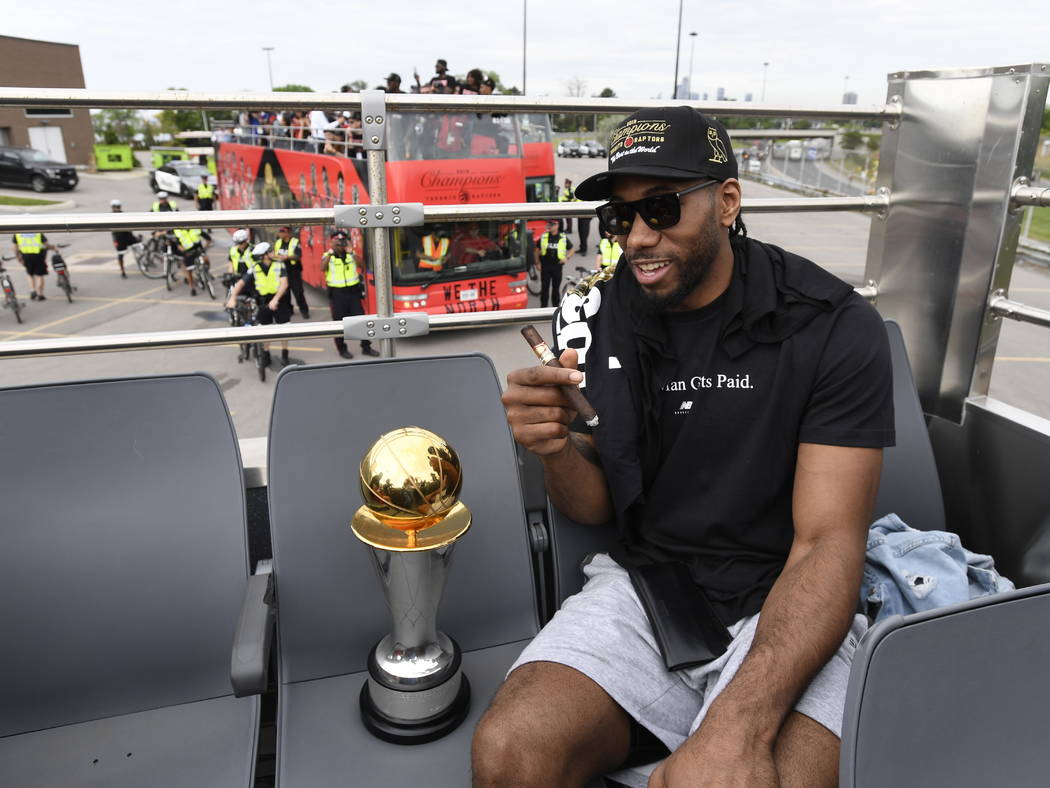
{"points": [[907, 571]]}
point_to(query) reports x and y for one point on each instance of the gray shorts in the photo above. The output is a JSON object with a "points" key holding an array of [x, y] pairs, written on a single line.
{"points": [[603, 632]]}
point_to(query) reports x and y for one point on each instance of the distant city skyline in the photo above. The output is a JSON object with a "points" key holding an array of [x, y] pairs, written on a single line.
{"points": [[219, 47]]}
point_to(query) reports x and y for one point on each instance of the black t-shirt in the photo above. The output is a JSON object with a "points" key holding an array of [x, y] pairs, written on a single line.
{"points": [[551, 257], [710, 482]]}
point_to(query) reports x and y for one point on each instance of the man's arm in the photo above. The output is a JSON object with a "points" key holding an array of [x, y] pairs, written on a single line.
{"points": [[539, 416], [282, 288], [804, 620]]}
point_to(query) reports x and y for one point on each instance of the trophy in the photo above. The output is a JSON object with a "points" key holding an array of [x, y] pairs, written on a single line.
{"points": [[410, 481]]}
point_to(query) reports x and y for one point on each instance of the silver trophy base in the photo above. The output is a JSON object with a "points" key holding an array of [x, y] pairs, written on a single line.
{"points": [[403, 716]]}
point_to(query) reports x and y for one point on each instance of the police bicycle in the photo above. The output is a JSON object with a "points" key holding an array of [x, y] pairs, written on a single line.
{"points": [[201, 272], [156, 257], [246, 313], [10, 298], [58, 265]]}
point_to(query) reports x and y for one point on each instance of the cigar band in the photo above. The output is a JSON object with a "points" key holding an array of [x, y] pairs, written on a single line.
{"points": [[544, 352]]}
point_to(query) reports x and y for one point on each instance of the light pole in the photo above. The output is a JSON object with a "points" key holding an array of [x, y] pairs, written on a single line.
{"points": [[524, 40], [269, 64], [692, 49], [765, 68], [677, 50], [845, 87]]}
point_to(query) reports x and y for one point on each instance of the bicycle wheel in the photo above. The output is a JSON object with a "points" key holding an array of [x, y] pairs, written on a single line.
{"points": [[67, 286], [16, 307], [260, 361], [533, 282], [209, 281], [169, 270], [150, 263]]}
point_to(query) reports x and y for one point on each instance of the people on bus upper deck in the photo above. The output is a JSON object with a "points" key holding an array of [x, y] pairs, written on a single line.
{"points": [[745, 397], [471, 86], [342, 279], [442, 81], [122, 239], [286, 249], [31, 251], [393, 83], [268, 280], [488, 86]]}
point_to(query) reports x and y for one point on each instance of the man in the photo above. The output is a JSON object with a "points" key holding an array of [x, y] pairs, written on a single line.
{"points": [[552, 250], [191, 244], [609, 251], [393, 83], [269, 284], [434, 252], [31, 250], [122, 239], [470, 246], [567, 195], [286, 249], [345, 289], [205, 198], [745, 396], [240, 256], [442, 81], [163, 203]]}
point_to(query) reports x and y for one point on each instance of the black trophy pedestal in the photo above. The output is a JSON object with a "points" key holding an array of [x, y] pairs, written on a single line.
{"points": [[422, 730], [418, 731]]}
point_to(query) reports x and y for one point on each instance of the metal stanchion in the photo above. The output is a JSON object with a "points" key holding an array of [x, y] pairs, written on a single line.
{"points": [[374, 124]]}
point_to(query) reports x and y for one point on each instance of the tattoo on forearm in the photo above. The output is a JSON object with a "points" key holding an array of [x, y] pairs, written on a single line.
{"points": [[585, 449]]}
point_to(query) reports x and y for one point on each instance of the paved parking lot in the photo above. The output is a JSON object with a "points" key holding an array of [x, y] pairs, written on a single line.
{"points": [[107, 304]]}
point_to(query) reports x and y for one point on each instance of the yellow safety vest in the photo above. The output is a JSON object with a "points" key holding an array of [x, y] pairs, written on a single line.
{"points": [[267, 282], [562, 246], [610, 252], [342, 272], [293, 243], [187, 238], [30, 243], [238, 258], [433, 254], [169, 202], [206, 191], [568, 196]]}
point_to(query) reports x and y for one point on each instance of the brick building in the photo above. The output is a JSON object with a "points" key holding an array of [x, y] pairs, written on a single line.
{"points": [[65, 134]]}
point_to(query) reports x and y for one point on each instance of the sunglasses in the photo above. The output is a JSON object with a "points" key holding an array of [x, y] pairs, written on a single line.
{"points": [[659, 211]]}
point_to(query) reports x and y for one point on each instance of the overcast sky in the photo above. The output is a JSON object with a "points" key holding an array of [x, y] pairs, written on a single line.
{"points": [[812, 47]]}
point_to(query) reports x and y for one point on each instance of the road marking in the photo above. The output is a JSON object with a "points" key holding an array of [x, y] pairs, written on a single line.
{"points": [[1030, 289], [41, 334], [1037, 359], [98, 308]]}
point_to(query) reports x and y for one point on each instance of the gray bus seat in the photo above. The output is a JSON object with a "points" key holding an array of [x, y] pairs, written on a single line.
{"points": [[121, 576], [956, 696], [330, 607]]}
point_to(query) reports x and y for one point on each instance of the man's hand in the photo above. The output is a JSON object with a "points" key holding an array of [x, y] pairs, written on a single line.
{"points": [[538, 413], [272, 304], [231, 303], [717, 759]]}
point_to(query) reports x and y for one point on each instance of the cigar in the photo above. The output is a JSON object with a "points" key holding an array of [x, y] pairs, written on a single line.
{"points": [[547, 358]]}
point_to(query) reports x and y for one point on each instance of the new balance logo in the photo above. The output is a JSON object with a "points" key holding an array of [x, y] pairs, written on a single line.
{"points": [[687, 405]]}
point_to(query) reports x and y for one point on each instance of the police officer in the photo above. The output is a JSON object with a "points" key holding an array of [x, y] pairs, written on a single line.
{"points": [[609, 252], [287, 250], [163, 203], [343, 280], [191, 244], [31, 249], [269, 282], [566, 195], [122, 239], [552, 250], [240, 255], [205, 198]]}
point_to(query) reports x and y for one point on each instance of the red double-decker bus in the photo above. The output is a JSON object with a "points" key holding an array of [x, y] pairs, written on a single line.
{"points": [[432, 158]]}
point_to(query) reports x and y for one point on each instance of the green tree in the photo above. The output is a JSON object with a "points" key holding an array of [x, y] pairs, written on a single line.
{"points": [[116, 126], [851, 139], [293, 88], [873, 141], [607, 93], [1046, 119], [172, 121]]}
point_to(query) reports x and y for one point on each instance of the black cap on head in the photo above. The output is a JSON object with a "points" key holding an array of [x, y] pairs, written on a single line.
{"points": [[339, 235], [392, 77], [667, 142]]}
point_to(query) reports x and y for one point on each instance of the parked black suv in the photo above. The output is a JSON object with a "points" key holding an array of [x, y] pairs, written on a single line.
{"points": [[32, 168]]}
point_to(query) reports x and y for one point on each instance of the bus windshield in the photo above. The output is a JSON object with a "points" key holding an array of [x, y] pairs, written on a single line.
{"points": [[446, 135], [435, 252], [535, 127]]}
